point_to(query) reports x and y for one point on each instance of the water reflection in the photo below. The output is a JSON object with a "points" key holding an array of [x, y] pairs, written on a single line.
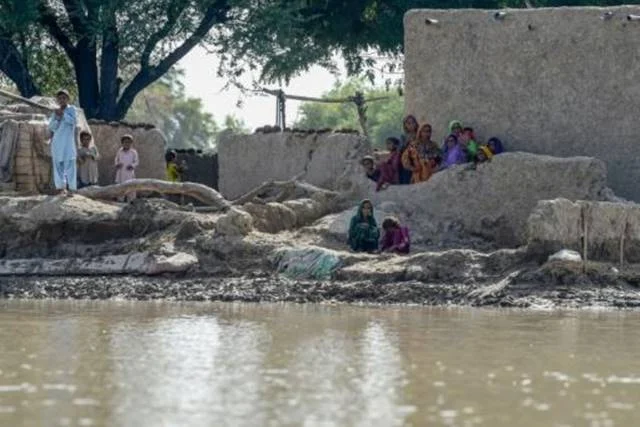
{"points": [[133, 364]]}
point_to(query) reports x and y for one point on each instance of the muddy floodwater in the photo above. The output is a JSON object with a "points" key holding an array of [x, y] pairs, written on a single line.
{"points": [[65, 363]]}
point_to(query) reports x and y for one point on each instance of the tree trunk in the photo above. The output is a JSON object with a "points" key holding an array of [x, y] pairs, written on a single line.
{"points": [[200, 192], [109, 86], [13, 65], [85, 64]]}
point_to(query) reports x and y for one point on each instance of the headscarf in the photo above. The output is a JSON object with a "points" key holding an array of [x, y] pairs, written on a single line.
{"points": [[487, 151], [455, 155], [404, 122], [429, 148], [358, 234], [359, 216], [497, 144], [368, 159], [406, 137], [426, 125], [453, 124]]}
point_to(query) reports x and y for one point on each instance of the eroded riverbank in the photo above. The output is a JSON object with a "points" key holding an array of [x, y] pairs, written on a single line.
{"points": [[536, 288], [471, 244]]}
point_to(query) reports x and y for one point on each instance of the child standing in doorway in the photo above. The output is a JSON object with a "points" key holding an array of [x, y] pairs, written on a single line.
{"points": [[175, 171]]}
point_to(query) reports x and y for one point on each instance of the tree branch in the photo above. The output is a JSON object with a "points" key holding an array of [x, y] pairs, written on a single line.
{"points": [[174, 12], [49, 21], [76, 17], [215, 14], [16, 68]]}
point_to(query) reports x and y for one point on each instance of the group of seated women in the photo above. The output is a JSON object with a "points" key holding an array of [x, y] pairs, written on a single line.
{"points": [[412, 158], [415, 157]]}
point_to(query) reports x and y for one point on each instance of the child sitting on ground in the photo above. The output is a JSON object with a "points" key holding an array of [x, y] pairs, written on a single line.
{"points": [[363, 229], [390, 168], [126, 163], [87, 161], [370, 169], [396, 237]]}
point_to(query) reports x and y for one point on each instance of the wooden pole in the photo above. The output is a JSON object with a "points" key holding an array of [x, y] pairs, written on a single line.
{"points": [[585, 239], [625, 230], [282, 109], [25, 100], [358, 99]]}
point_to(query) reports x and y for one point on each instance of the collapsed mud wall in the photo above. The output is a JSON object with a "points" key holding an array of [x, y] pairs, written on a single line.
{"points": [[494, 200], [557, 81], [148, 141], [328, 160], [611, 230]]}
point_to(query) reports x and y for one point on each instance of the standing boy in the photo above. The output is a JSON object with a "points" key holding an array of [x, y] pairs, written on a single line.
{"points": [[63, 144]]}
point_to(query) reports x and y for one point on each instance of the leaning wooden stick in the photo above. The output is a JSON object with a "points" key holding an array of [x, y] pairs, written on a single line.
{"points": [[286, 190], [585, 238], [27, 101], [623, 235], [252, 194]]}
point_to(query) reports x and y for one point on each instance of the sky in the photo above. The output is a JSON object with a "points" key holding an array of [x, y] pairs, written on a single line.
{"points": [[202, 82]]}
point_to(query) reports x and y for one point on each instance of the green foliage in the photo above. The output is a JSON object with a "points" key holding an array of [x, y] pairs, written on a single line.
{"points": [[182, 119], [52, 70], [115, 48], [384, 118], [235, 125], [118, 48]]}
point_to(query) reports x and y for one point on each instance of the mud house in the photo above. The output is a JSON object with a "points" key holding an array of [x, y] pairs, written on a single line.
{"points": [[25, 160], [149, 142], [329, 160], [202, 166], [556, 81]]}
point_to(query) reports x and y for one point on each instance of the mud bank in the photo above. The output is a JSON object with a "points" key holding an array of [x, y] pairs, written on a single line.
{"points": [[543, 288], [287, 242]]}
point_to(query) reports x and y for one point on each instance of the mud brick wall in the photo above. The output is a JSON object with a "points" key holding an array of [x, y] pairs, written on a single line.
{"points": [[557, 81], [328, 160], [149, 142]]}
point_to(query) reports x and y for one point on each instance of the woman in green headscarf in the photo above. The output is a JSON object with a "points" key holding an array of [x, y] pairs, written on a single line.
{"points": [[363, 230], [455, 127]]}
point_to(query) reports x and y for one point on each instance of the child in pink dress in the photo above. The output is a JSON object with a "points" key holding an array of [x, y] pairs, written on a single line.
{"points": [[126, 163], [396, 237]]}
